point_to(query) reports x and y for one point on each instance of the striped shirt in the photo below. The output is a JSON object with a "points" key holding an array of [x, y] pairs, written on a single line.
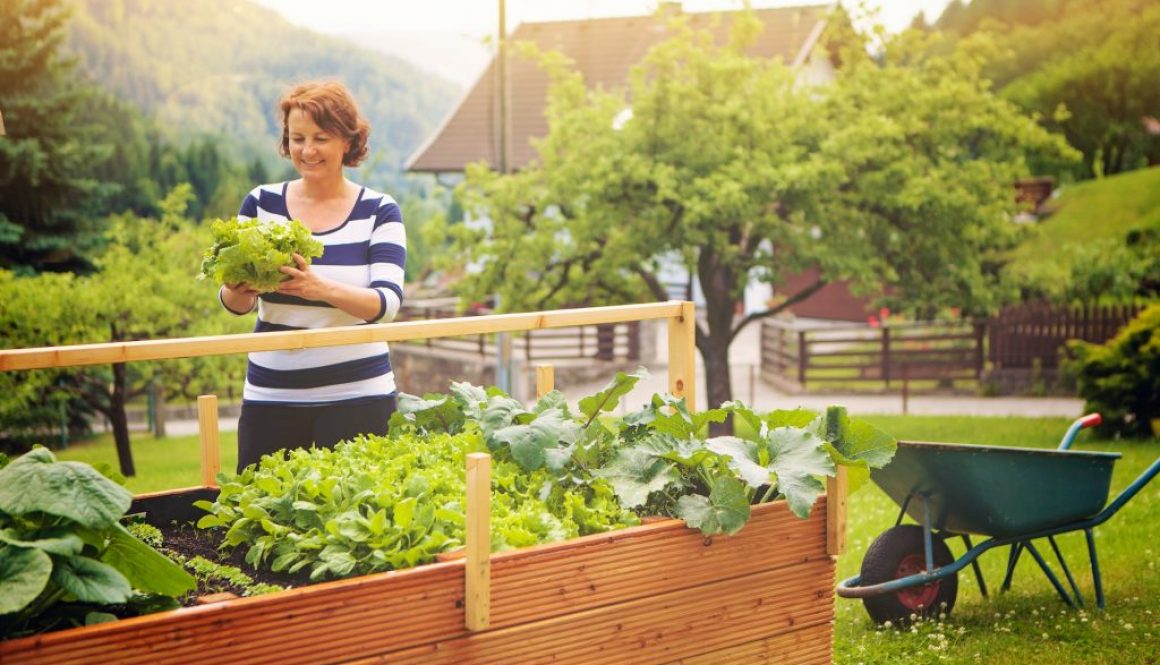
{"points": [[369, 249]]}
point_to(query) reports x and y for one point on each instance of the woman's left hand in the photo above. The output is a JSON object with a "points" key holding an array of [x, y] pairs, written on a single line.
{"points": [[303, 282]]}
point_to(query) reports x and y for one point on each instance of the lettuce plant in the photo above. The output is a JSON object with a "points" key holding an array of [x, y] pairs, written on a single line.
{"points": [[252, 251]]}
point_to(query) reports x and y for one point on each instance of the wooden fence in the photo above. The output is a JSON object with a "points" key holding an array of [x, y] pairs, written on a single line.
{"points": [[860, 354], [1024, 336], [618, 341]]}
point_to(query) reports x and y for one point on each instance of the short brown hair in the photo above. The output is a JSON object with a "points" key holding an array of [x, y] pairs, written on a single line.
{"points": [[332, 108]]}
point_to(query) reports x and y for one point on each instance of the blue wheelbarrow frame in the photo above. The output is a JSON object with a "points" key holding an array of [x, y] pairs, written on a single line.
{"points": [[1012, 495]]}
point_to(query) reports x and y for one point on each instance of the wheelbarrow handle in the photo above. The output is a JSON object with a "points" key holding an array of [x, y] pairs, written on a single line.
{"points": [[1090, 420]]}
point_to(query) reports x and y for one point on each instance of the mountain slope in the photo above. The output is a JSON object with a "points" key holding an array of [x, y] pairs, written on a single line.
{"points": [[219, 66]]}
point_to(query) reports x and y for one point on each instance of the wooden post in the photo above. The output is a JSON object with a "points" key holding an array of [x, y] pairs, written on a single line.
{"points": [[477, 576], [803, 358], [545, 380], [836, 512], [886, 354], [207, 423], [682, 354]]}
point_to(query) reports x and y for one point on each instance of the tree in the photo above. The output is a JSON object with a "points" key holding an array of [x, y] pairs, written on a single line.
{"points": [[897, 175], [144, 289], [47, 193]]}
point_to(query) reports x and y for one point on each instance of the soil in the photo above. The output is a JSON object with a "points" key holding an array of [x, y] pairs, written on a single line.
{"points": [[188, 541]]}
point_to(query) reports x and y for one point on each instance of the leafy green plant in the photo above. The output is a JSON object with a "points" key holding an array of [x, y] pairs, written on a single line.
{"points": [[1121, 379], [655, 459], [252, 251], [383, 503], [64, 555]]}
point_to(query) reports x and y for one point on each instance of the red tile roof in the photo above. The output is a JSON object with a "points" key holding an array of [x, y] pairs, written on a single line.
{"points": [[603, 51]]}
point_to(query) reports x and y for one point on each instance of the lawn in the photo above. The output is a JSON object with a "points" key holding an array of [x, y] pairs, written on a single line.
{"points": [[1027, 625]]}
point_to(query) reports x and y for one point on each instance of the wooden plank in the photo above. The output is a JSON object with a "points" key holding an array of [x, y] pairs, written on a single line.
{"points": [[477, 542], [210, 437], [799, 646], [545, 380], [102, 354], [682, 358], [836, 496], [652, 630]]}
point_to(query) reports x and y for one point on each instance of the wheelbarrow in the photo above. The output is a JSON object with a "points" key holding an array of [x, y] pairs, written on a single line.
{"points": [[1012, 496]]}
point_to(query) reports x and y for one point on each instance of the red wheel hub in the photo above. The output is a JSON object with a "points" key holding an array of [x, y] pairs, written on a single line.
{"points": [[917, 597]]}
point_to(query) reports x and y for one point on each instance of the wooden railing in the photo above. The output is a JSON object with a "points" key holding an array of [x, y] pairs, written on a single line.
{"points": [[855, 353], [619, 341]]}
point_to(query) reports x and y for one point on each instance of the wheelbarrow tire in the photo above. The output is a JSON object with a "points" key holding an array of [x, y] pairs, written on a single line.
{"points": [[899, 552]]}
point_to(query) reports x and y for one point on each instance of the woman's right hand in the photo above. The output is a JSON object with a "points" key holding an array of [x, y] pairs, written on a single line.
{"points": [[239, 298], [242, 289]]}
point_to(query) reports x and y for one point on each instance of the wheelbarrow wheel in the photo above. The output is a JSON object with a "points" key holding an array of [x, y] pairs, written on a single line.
{"points": [[897, 553]]}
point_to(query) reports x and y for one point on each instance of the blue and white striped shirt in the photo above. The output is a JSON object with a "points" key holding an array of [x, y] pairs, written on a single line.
{"points": [[369, 249]]}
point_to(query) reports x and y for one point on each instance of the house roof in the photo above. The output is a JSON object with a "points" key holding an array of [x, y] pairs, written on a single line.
{"points": [[603, 51]]}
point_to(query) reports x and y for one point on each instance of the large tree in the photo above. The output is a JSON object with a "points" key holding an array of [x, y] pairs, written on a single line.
{"points": [[47, 192], [896, 175], [144, 289]]}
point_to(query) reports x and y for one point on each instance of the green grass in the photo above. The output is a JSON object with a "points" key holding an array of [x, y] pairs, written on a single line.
{"points": [[1027, 625], [1087, 211]]}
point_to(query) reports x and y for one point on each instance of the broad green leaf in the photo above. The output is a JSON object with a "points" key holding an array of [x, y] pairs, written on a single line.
{"points": [[743, 459], [91, 581], [528, 443], [500, 412], [145, 568], [789, 418], [554, 399], [796, 456], [725, 510], [745, 414], [52, 541], [470, 398], [36, 482], [607, 399], [635, 474], [441, 414], [24, 572], [686, 452]]}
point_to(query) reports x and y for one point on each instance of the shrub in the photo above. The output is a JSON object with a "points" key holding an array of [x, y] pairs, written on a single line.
{"points": [[1121, 379]]}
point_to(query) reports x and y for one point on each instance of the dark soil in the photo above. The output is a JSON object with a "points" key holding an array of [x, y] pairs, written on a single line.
{"points": [[188, 541]]}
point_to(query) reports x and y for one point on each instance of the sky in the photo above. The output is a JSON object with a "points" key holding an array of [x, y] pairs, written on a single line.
{"points": [[446, 36]]}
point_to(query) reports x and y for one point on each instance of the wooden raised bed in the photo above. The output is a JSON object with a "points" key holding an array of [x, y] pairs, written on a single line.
{"points": [[657, 593]]}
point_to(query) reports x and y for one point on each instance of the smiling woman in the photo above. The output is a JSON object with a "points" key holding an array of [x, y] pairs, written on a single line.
{"points": [[320, 396]]}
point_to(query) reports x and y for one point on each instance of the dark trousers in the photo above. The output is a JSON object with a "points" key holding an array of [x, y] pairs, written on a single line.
{"points": [[264, 428]]}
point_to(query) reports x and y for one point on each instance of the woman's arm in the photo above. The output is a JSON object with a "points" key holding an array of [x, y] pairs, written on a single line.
{"points": [[238, 299]]}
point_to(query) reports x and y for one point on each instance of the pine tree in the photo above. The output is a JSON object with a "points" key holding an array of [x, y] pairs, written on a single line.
{"points": [[48, 197]]}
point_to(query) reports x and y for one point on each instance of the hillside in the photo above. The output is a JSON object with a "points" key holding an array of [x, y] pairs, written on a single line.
{"points": [[1088, 211], [219, 66]]}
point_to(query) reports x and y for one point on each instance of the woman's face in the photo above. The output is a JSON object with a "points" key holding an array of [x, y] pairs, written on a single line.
{"points": [[315, 152]]}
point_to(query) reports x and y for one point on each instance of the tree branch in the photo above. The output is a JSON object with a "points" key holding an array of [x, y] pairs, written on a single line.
{"points": [[793, 300]]}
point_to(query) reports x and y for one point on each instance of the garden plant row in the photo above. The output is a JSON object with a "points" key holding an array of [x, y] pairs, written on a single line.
{"points": [[574, 571]]}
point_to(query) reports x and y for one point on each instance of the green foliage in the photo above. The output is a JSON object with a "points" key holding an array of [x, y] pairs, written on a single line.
{"points": [[656, 459], [63, 551], [380, 503], [48, 195], [1121, 379], [211, 574], [252, 251]]}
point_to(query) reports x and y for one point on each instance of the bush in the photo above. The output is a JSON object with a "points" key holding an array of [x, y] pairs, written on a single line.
{"points": [[1121, 379]]}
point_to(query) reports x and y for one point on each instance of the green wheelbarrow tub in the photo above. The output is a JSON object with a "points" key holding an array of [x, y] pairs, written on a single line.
{"points": [[995, 490]]}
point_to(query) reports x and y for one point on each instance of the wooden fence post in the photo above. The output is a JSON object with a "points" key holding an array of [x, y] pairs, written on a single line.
{"points": [[682, 354], [886, 354], [477, 574], [803, 358], [207, 424], [836, 491], [545, 380]]}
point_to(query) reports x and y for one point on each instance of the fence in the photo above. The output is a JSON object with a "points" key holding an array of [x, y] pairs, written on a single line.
{"points": [[858, 354], [1025, 336], [618, 341]]}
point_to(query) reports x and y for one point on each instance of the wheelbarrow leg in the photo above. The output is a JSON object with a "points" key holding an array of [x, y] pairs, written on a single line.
{"points": [[1091, 543], [1050, 575], [1012, 559], [975, 566], [1066, 571]]}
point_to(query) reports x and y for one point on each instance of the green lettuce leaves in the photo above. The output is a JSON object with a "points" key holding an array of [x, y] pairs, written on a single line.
{"points": [[252, 251]]}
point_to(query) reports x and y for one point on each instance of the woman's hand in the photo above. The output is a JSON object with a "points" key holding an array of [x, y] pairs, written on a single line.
{"points": [[304, 282], [239, 298]]}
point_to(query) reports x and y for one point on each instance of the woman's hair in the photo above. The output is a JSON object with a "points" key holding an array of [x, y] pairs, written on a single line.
{"points": [[332, 108]]}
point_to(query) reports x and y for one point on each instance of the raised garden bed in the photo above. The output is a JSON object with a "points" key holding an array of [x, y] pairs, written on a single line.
{"points": [[657, 593]]}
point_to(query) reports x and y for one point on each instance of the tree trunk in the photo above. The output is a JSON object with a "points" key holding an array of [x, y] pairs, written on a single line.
{"points": [[120, 421], [717, 284], [718, 380]]}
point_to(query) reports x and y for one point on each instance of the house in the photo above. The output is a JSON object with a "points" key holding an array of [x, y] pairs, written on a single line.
{"points": [[604, 51]]}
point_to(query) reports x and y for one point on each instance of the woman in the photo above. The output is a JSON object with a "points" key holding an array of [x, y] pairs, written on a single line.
{"points": [[322, 395]]}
